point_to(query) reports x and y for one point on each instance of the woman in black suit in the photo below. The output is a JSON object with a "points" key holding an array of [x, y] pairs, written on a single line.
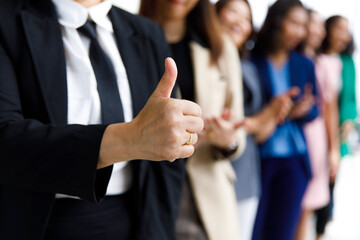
{"points": [[52, 158]]}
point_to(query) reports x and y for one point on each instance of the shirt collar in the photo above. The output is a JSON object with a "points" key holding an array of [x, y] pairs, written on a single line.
{"points": [[74, 15]]}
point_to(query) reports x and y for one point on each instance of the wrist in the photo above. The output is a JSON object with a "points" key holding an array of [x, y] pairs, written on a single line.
{"points": [[334, 151], [225, 152], [116, 145], [224, 143]]}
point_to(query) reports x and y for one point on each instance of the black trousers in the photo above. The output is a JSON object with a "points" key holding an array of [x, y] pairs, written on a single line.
{"points": [[73, 219], [323, 214]]}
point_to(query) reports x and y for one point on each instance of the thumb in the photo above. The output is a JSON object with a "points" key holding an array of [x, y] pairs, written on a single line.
{"points": [[240, 124], [226, 114], [293, 92], [168, 80]]}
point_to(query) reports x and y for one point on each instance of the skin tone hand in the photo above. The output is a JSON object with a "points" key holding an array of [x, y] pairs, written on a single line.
{"points": [[303, 106], [331, 117], [334, 161], [216, 126], [263, 124], [334, 155], [283, 104], [345, 129], [159, 132], [221, 131]]}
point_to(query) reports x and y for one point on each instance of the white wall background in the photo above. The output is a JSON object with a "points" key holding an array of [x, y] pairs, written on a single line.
{"points": [[347, 8]]}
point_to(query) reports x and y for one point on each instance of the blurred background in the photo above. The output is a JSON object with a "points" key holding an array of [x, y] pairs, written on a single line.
{"points": [[327, 8], [345, 224]]}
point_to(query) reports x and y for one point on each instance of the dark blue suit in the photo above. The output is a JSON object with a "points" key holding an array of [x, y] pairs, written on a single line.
{"points": [[40, 154], [284, 179]]}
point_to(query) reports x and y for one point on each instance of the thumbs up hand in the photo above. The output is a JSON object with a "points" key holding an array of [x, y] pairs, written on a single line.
{"points": [[165, 129]]}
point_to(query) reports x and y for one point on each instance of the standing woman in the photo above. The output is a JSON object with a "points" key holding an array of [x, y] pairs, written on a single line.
{"points": [[236, 19], [209, 73], [338, 43], [336, 51], [284, 159], [321, 137]]}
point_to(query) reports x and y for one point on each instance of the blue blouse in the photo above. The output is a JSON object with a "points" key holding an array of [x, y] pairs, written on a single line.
{"points": [[287, 140]]}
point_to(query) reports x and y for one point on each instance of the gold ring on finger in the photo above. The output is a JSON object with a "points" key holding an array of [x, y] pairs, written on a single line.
{"points": [[190, 140]]}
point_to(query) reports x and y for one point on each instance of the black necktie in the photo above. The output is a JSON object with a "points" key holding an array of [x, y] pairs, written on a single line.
{"points": [[111, 107]]}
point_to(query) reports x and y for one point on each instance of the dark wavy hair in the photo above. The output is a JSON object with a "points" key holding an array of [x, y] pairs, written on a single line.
{"points": [[329, 23], [301, 47], [202, 19], [268, 39], [249, 43], [350, 48]]}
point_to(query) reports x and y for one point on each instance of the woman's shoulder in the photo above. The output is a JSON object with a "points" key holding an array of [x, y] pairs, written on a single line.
{"points": [[228, 45], [230, 55], [346, 58], [326, 61], [141, 25], [301, 59], [249, 68]]}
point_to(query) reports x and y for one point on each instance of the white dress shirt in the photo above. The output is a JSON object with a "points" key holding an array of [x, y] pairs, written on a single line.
{"points": [[83, 98]]}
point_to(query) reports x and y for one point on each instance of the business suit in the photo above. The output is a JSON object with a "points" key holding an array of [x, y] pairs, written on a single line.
{"points": [[41, 154], [284, 177], [212, 180]]}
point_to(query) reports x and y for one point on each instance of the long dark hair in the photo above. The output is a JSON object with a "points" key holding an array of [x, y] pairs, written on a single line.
{"points": [[249, 43], [301, 47], [329, 23], [268, 39], [350, 48], [202, 20]]}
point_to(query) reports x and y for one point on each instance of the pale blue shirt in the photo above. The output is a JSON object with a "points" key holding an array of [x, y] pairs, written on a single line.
{"points": [[287, 140]]}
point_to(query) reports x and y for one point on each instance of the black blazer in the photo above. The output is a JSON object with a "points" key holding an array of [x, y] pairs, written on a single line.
{"points": [[40, 153]]}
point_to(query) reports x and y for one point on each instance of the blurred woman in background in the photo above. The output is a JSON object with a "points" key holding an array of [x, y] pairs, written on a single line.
{"points": [[209, 73], [338, 42], [284, 158], [236, 19], [321, 137], [335, 68]]}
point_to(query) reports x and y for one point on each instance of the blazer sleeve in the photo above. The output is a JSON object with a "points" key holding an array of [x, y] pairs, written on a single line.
{"points": [[234, 96], [162, 192], [44, 157], [347, 99]]}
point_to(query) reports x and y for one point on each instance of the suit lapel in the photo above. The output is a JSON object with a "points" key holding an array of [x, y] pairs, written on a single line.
{"points": [[206, 79], [44, 39], [295, 74], [263, 69], [131, 47], [252, 85]]}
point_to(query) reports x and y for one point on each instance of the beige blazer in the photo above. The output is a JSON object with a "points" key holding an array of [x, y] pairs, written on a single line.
{"points": [[212, 181]]}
